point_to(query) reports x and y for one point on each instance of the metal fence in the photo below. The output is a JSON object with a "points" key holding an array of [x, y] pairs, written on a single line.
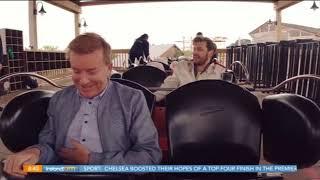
{"points": [[271, 63], [120, 58]]}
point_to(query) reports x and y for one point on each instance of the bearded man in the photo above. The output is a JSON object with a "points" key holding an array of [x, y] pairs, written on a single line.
{"points": [[202, 66]]}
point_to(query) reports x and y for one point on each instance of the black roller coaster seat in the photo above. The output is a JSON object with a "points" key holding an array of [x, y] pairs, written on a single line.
{"points": [[213, 122], [23, 118], [116, 75], [147, 76], [291, 130]]}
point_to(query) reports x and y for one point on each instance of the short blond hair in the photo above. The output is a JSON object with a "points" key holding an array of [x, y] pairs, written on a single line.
{"points": [[87, 43]]}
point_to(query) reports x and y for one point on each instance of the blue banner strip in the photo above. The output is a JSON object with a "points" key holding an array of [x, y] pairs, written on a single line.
{"points": [[168, 168]]}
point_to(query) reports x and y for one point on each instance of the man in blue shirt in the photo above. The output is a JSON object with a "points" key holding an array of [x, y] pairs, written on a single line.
{"points": [[95, 121]]}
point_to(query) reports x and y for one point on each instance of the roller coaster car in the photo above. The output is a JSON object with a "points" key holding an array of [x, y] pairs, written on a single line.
{"points": [[216, 122], [208, 122]]}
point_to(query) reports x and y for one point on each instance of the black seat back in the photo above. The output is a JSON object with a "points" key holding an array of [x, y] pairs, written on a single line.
{"points": [[213, 122], [150, 98], [291, 130], [147, 76], [115, 75], [23, 118], [166, 67]]}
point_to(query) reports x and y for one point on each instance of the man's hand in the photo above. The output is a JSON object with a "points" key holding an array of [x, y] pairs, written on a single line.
{"points": [[13, 165], [0, 66], [79, 154]]}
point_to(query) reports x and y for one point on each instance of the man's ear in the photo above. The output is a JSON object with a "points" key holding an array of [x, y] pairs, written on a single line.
{"points": [[210, 54], [110, 66], [109, 72]]}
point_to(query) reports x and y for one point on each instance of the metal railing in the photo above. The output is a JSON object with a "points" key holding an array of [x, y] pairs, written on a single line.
{"points": [[120, 58], [33, 75], [270, 64]]}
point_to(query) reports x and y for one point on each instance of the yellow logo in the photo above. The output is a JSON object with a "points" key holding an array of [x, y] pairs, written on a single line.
{"points": [[32, 168]]}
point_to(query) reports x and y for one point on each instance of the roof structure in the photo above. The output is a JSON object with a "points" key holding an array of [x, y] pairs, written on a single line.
{"points": [[77, 4], [75, 7], [305, 28], [312, 30], [158, 50]]}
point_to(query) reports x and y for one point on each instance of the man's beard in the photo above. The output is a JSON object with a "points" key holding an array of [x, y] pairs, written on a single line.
{"points": [[201, 61]]}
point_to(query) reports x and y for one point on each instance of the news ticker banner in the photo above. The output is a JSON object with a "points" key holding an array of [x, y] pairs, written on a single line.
{"points": [[159, 168]]}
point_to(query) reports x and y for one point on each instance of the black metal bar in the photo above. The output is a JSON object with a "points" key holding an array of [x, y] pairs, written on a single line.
{"points": [[295, 78], [17, 75]]}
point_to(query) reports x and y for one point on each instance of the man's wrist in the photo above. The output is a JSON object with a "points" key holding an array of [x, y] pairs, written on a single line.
{"points": [[35, 151]]}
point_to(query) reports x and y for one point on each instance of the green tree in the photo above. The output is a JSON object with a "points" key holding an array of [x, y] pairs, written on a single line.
{"points": [[179, 53], [49, 48], [187, 53]]}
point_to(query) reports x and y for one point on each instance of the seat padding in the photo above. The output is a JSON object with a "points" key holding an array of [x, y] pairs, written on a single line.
{"points": [[23, 118], [213, 122], [291, 130], [147, 76]]}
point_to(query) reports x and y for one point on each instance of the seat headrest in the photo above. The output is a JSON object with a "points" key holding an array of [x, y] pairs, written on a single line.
{"points": [[213, 122], [115, 75], [291, 130], [147, 76], [23, 118]]}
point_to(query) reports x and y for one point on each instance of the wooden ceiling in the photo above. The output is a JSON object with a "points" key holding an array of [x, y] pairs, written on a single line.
{"points": [[282, 3], [75, 5]]}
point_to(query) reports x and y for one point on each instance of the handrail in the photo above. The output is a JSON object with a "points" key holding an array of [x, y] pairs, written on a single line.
{"points": [[303, 76], [33, 75], [244, 68]]}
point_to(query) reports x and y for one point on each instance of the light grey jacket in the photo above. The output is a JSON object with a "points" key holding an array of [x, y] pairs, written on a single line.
{"points": [[183, 73], [127, 132]]}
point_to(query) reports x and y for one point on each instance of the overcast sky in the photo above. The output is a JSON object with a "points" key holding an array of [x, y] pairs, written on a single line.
{"points": [[165, 22]]}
